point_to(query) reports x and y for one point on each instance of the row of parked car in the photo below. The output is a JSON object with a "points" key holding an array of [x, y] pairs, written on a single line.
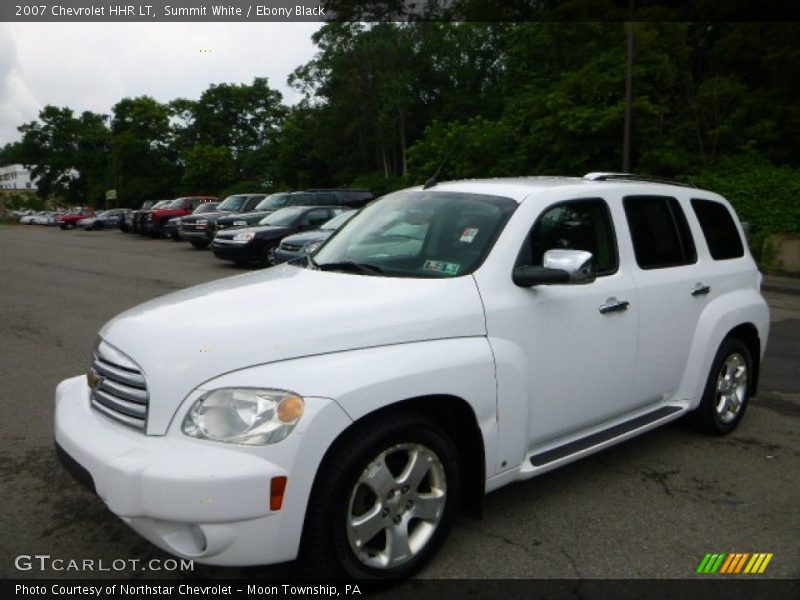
{"points": [[83, 217], [252, 228]]}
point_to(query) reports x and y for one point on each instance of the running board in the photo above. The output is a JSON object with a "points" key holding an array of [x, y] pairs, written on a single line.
{"points": [[543, 458]]}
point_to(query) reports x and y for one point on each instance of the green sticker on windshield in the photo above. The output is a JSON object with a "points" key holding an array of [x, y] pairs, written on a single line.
{"points": [[438, 266]]}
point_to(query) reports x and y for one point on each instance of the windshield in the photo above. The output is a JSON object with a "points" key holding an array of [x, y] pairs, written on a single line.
{"points": [[284, 216], [161, 204], [232, 203], [207, 207], [273, 202], [176, 203], [420, 234], [338, 220]]}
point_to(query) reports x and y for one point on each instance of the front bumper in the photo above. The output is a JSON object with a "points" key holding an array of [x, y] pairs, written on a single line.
{"points": [[198, 235], [237, 251], [196, 499]]}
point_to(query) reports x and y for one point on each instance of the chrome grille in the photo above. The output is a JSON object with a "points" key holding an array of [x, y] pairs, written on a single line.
{"points": [[120, 389]]}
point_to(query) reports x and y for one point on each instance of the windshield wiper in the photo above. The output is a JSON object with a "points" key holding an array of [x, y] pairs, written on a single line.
{"points": [[348, 265]]}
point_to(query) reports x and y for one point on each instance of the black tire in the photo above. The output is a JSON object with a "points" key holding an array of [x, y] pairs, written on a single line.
{"points": [[97, 226], [708, 416], [339, 493], [200, 245], [174, 236], [268, 255]]}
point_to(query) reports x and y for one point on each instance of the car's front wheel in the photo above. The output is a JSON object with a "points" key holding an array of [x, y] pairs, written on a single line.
{"points": [[268, 256], [727, 390], [384, 499], [200, 244]]}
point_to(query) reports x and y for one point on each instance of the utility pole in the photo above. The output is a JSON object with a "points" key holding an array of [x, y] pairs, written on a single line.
{"points": [[626, 142]]}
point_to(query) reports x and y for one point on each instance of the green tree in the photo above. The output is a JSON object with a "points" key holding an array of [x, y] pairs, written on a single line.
{"points": [[145, 161], [209, 170]]}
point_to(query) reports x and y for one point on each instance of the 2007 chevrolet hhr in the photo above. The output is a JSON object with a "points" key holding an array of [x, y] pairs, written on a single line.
{"points": [[448, 340]]}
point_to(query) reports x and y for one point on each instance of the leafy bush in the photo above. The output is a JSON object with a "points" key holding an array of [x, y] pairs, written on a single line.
{"points": [[764, 195]]}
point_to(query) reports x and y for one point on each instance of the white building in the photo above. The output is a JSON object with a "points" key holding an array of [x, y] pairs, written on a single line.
{"points": [[16, 177]]}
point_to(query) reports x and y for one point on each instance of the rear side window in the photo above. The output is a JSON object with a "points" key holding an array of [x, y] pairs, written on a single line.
{"points": [[719, 229], [330, 198], [302, 200], [660, 233]]}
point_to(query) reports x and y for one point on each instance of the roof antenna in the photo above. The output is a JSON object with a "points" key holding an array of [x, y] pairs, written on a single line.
{"points": [[434, 179]]}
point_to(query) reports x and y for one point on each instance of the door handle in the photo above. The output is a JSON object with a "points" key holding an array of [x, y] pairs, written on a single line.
{"points": [[614, 305], [700, 289]]}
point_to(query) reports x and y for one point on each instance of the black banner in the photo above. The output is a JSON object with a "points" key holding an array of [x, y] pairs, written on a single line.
{"points": [[705, 588], [395, 10]]}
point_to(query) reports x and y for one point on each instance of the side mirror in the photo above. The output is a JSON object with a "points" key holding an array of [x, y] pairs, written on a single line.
{"points": [[559, 267]]}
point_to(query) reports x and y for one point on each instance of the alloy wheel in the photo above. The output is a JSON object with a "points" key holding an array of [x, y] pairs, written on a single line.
{"points": [[731, 387], [396, 505]]}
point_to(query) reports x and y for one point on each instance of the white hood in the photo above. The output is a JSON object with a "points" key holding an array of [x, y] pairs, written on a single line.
{"points": [[186, 338]]}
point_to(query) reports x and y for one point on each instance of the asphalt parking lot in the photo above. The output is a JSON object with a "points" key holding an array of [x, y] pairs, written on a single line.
{"points": [[649, 508]]}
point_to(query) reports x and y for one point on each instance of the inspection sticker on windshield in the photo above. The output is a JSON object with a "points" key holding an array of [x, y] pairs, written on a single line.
{"points": [[469, 235], [437, 266]]}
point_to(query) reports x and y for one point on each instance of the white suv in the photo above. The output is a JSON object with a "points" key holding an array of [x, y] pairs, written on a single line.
{"points": [[445, 342]]}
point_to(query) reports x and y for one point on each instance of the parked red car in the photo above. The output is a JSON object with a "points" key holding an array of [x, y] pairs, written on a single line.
{"points": [[70, 219], [154, 220]]}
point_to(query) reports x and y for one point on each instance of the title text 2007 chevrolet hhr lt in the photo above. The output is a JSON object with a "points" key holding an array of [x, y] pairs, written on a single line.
{"points": [[443, 343]]}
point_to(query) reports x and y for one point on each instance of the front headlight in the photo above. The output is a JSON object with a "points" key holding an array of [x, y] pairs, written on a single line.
{"points": [[244, 237], [310, 248], [250, 416]]}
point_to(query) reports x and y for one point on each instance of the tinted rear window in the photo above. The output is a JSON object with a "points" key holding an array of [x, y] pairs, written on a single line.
{"points": [[719, 229], [660, 233]]}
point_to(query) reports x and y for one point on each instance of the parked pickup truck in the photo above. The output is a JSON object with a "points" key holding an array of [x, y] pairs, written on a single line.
{"points": [[155, 220], [353, 404]]}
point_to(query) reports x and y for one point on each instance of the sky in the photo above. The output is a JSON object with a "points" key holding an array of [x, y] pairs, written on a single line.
{"points": [[91, 66]]}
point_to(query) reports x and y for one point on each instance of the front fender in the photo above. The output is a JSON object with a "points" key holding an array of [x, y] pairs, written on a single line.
{"points": [[718, 318], [363, 381]]}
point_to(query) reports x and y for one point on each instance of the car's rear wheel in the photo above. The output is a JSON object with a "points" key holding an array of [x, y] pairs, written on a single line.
{"points": [[384, 499], [727, 390], [200, 244]]}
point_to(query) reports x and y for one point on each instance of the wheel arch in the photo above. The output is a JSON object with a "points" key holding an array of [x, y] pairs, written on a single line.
{"points": [[748, 333], [742, 314], [455, 416]]}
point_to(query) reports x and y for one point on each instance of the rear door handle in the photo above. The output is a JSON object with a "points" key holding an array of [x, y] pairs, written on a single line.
{"points": [[700, 289], [614, 305]]}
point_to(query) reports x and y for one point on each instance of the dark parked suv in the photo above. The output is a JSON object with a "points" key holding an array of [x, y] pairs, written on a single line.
{"points": [[258, 243], [137, 217], [200, 229], [314, 197]]}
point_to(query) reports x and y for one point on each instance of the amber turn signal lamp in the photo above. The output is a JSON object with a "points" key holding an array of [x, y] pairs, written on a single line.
{"points": [[276, 490]]}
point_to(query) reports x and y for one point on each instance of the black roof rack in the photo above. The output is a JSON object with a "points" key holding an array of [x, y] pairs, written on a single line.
{"points": [[633, 177]]}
